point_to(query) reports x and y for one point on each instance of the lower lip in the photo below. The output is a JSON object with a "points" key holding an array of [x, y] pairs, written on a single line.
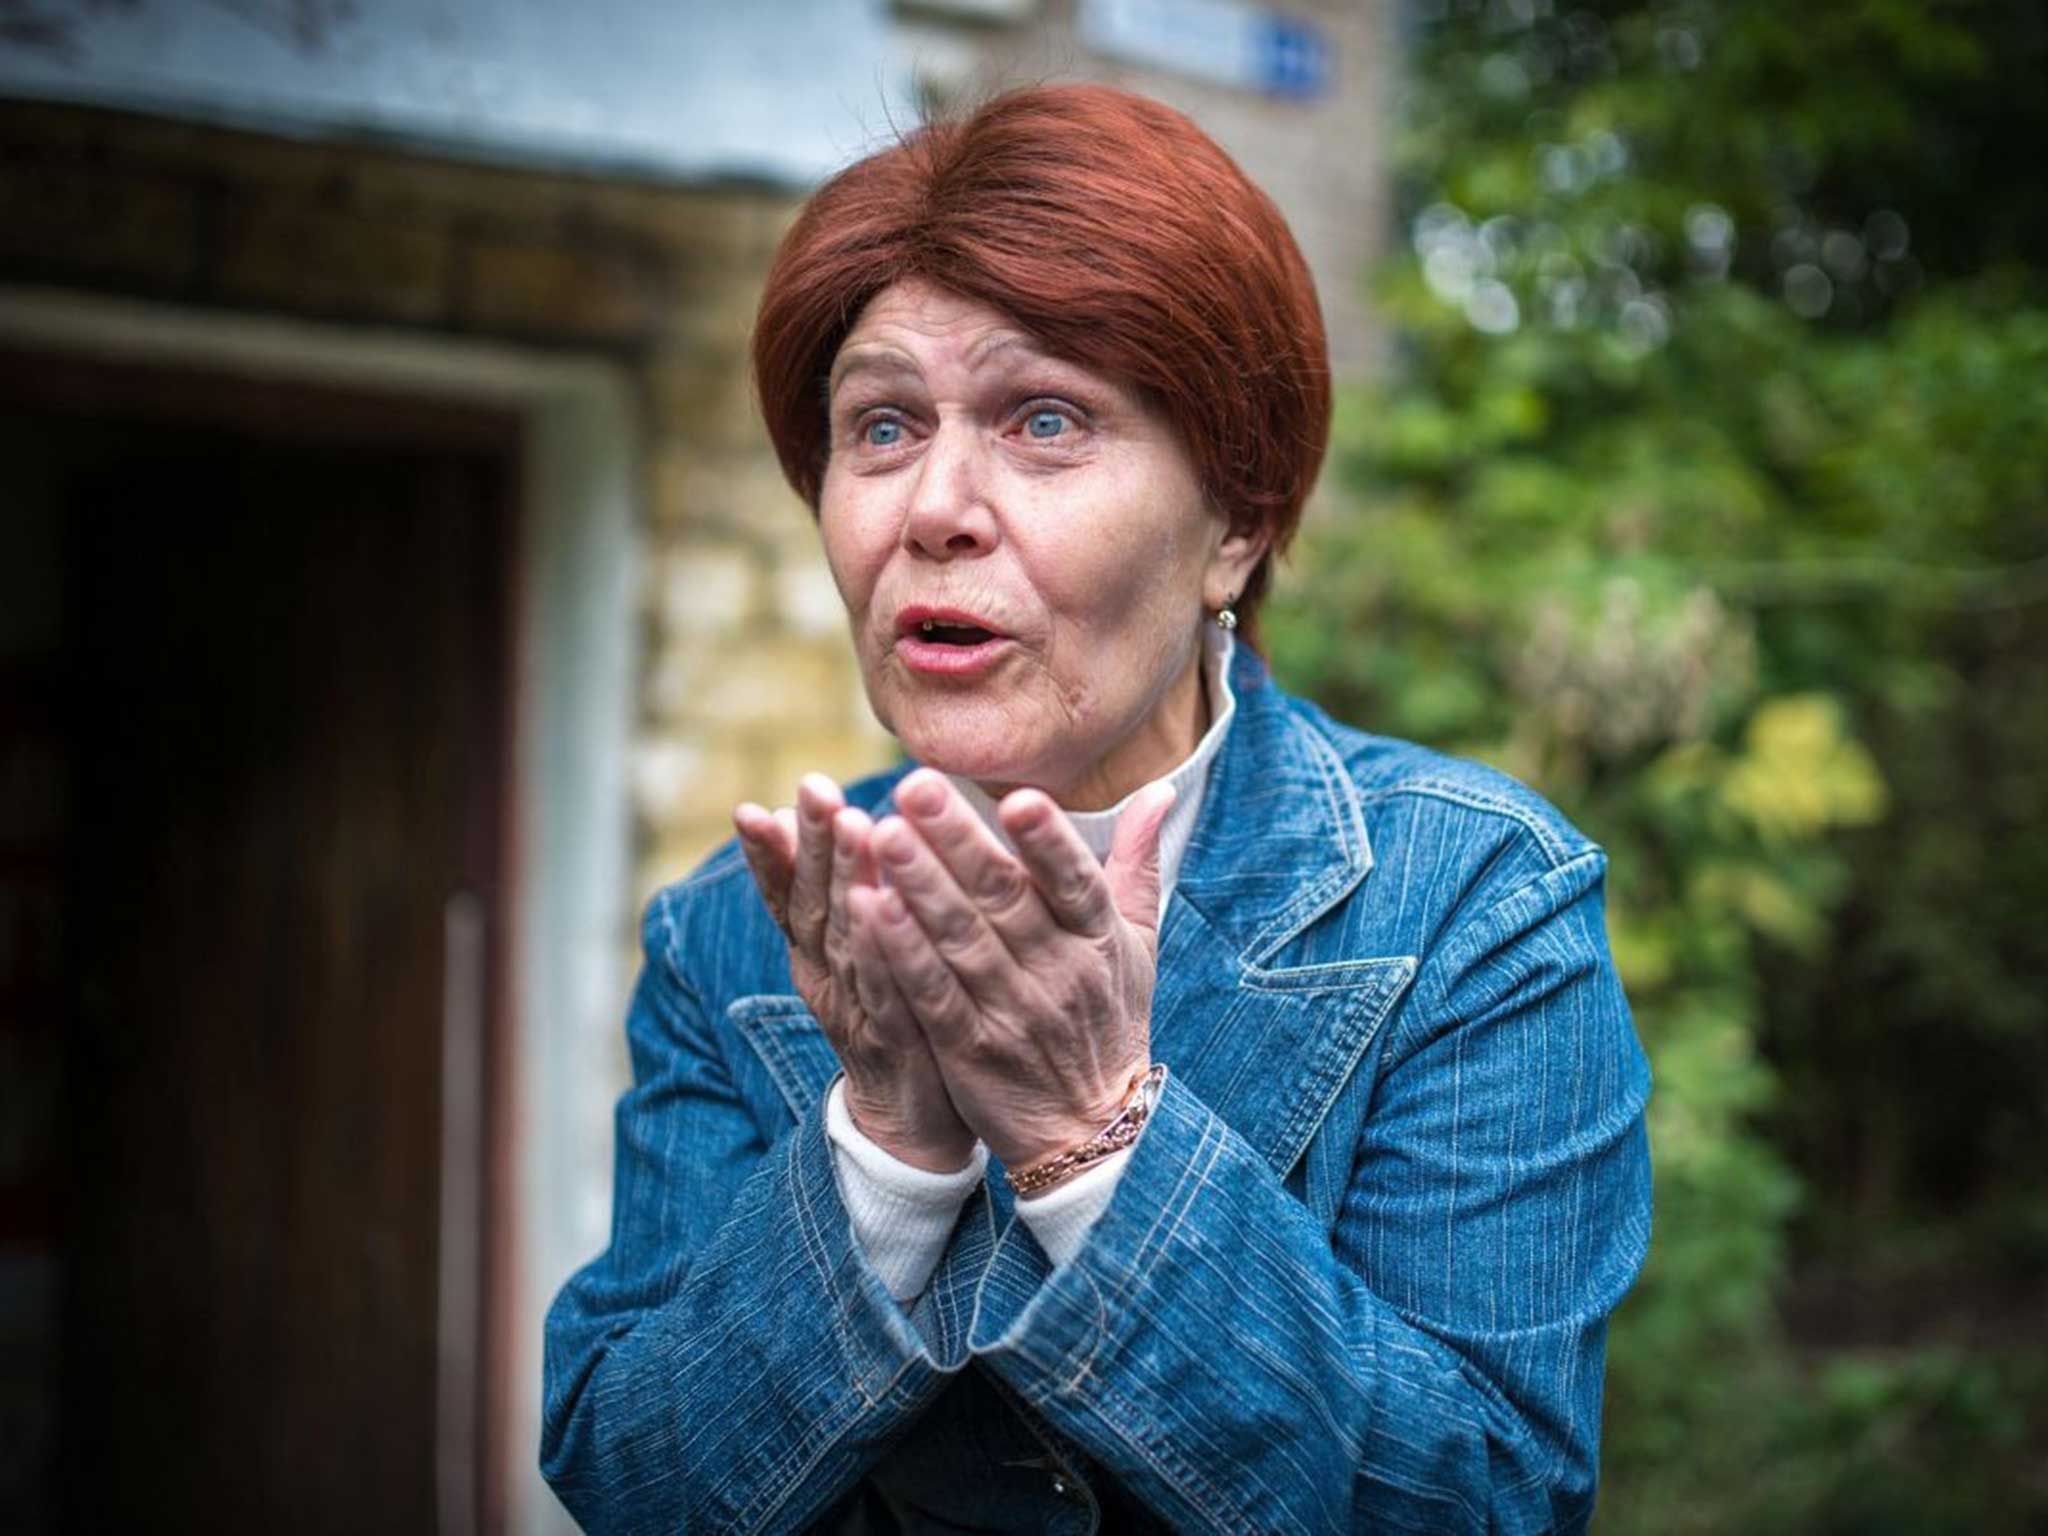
{"points": [[936, 660]]}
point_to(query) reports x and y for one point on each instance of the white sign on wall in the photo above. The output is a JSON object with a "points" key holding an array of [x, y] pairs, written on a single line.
{"points": [[1225, 41]]}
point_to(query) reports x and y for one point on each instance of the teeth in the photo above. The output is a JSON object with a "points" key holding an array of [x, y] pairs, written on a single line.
{"points": [[927, 626]]}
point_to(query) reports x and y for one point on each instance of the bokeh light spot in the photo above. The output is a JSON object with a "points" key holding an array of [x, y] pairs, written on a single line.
{"points": [[1808, 291]]}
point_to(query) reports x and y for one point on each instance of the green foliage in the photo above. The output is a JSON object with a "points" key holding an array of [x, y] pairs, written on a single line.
{"points": [[1707, 490]]}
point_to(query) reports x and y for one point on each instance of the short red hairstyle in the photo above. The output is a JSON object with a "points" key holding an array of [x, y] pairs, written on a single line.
{"points": [[1119, 235]]}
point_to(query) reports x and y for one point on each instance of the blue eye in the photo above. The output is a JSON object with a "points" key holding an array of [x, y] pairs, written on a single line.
{"points": [[882, 433], [1043, 424]]}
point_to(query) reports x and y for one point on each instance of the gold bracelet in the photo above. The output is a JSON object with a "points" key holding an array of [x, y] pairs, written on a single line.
{"points": [[1112, 1138]]}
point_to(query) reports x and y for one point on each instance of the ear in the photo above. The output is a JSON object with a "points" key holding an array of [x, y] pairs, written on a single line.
{"points": [[1231, 565]]}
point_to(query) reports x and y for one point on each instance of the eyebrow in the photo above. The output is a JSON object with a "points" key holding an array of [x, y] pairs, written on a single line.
{"points": [[1005, 341], [882, 357], [867, 357]]}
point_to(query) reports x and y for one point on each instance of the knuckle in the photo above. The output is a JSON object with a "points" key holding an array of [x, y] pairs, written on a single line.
{"points": [[989, 1049], [1076, 890], [806, 912], [932, 990], [985, 956], [872, 983], [956, 931], [1004, 890]]}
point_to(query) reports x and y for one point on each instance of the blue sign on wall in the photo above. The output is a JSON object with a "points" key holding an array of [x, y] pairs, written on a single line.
{"points": [[1225, 41], [1296, 57]]}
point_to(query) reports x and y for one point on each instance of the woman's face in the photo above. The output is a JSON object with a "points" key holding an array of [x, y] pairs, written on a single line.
{"points": [[1024, 552]]}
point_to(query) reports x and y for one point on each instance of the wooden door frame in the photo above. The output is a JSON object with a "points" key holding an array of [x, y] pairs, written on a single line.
{"points": [[558, 974]]}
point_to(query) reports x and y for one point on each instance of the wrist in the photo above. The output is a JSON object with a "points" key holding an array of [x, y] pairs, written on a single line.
{"points": [[1049, 1138], [1105, 1141], [1048, 1133], [930, 1144]]}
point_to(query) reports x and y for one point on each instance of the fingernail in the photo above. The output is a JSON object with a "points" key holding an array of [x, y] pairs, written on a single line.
{"points": [[922, 792], [1025, 811], [893, 838], [815, 794]]}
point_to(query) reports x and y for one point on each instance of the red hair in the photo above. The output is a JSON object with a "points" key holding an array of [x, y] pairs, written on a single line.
{"points": [[1121, 237]]}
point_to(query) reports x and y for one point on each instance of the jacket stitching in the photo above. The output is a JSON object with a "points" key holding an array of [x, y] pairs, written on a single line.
{"points": [[1312, 1108], [1173, 1215], [1128, 1425], [1339, 791], [1340, 973], [815, 1250], [1556, 850]]}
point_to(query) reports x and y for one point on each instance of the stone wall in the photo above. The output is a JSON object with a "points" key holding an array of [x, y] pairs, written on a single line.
{"points": [[747, 680]]}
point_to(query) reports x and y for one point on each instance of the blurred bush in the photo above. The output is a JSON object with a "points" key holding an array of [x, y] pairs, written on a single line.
{"points": [[1706, 489]]}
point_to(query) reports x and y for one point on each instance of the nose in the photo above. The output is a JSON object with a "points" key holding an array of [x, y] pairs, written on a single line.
{"points": [[950, 516]]}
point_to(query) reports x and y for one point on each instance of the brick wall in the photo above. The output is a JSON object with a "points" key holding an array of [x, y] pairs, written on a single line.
{"points": [[747, 679]]}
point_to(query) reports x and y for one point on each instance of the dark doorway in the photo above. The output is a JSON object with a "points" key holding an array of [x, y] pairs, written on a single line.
{"points": [[278, 694]]}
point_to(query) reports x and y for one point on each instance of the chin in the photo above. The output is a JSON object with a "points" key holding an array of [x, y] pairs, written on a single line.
{"points": [[964, 757], [969, 745]]}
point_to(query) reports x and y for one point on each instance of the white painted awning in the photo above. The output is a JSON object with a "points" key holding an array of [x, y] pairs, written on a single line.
{"points": [[779, 90]]}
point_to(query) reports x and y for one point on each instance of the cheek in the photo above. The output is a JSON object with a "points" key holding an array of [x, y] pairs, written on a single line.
{"points": [[1125, 574], [854, 550]]}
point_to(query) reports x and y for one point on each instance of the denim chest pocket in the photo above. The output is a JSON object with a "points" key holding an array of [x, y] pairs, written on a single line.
{"points": [[1322, 1020], [787, 1064]]}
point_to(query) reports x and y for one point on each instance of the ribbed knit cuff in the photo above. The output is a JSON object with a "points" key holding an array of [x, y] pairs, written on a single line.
{"points": [[1060, 1218], [901, 1216]]}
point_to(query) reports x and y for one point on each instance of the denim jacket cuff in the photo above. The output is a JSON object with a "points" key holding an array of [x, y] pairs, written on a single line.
{"points": [[1051, 1323], [886, 1349]]}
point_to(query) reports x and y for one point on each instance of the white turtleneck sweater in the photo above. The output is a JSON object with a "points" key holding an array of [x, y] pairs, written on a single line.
{"points": [[901, 1216]]}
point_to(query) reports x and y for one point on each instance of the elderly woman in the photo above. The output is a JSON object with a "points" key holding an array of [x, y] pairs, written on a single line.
{"points": [[1160, 1107]]}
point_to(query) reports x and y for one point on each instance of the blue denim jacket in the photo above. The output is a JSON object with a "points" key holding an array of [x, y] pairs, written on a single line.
{"points": [[1355, 1275]]}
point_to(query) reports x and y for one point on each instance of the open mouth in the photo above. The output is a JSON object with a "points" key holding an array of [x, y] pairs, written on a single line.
{"points": [[947, 642], [943, 632]]}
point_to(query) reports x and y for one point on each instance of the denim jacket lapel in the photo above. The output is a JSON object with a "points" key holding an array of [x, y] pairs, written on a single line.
{"points": [[790, 1044], [1281, 840]]}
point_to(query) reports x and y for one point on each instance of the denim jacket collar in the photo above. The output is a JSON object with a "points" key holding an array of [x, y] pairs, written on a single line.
{"points": [[1281, 837]]}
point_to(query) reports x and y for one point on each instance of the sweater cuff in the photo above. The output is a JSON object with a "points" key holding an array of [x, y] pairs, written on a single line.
{"points": [[900, 1216], [1061, 1217]]}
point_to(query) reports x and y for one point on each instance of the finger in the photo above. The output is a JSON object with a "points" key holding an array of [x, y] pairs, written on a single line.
{"points": [[852, 861], [927, 986], [1133, 867], [1069, 878], [775, 830], [874, 983], [770, 856], [987, 873], [957, 931], [817, 801]]}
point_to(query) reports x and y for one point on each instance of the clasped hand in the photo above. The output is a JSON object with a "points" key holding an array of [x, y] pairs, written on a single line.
{"points": [[968, 991]]}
